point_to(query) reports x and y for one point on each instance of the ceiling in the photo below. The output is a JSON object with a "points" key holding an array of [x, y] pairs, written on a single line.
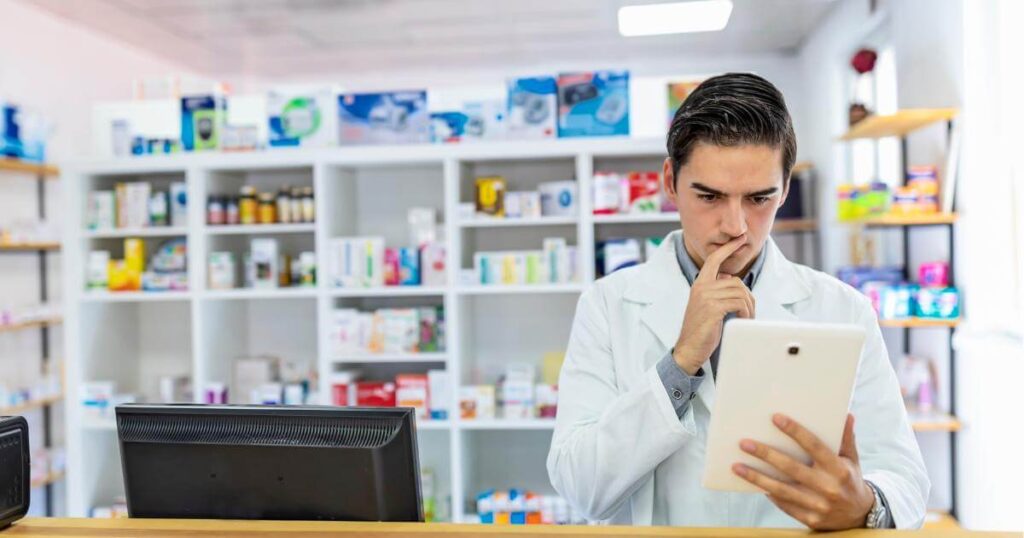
{"points": [[274, 38]]}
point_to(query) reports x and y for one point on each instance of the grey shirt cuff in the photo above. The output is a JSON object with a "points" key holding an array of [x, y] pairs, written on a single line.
{"points": [[887, 521], [680, 386]]}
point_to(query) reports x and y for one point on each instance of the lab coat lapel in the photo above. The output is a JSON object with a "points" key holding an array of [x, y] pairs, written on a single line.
{"points": [[662, 288]]}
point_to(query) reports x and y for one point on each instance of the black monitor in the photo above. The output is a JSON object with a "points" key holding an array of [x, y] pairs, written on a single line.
{"points": [[270, 462]]}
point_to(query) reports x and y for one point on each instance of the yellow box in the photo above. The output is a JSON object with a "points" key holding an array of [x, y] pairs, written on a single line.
{"points": [[490, 195], [135, 254]]}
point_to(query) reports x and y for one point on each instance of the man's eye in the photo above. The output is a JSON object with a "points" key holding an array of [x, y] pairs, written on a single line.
{"points": [[761, 200], [707, 197]]}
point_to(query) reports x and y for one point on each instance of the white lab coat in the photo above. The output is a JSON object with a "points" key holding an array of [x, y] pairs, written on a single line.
{"points": [[616, 426]]}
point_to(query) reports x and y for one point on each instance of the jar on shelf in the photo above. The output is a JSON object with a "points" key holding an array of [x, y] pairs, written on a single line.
{"points": [[284, 206], [215, 210], [231, 210], [247, 205], [308, 205], [267, 212], [296, 202]]}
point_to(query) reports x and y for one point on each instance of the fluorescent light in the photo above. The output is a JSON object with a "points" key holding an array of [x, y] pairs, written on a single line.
{"points": [[674, 18]]}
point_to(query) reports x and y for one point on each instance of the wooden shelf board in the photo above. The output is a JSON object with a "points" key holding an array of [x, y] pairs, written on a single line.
{"points": [[794, 225], [898, 124], [938, 422], [48, 479], [918, 322], [28, 247], [906, 220], [17, 165], [30, 405], [30, 325]]}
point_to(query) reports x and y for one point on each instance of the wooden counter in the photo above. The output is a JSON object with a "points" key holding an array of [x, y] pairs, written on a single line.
{"points": [[180, 528]]}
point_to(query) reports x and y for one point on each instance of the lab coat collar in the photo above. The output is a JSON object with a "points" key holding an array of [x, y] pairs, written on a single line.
{"points": [[660, 285]]}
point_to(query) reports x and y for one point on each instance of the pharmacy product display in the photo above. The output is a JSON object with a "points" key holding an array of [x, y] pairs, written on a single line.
{"points": [[613, 254], [593, 103], [551, 199], [167, 269], [522, 507], [264, 380], [353, 332], [137, 205], [532, 108], [630, 193], [589, 103], [517, 395], [264, 266], [45, 387], [286, 205], [556, 263], [893, 298], [920, 196], [364, 262], [383, 118], [427, 393], [23, 132], [20, 232], [300, 119]]}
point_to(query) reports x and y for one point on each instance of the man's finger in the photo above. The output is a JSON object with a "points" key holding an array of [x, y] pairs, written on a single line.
{"points": [[709, 272], [848, 448], [813, 478], [820, 453], [787, 492]]}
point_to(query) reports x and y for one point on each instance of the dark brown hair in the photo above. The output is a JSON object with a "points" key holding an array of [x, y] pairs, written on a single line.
{"points": [[732, 110]]}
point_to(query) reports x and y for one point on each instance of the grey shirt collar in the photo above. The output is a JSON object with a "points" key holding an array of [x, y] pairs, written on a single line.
{"points": [[690, 270]]}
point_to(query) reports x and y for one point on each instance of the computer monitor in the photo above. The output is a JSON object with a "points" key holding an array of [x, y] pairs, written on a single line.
{"points": [[270, 462]]}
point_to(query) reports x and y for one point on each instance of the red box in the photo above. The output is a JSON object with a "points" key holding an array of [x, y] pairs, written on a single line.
{"points": [[375, 394], [339, 394], [644, 192], [392, 267]]}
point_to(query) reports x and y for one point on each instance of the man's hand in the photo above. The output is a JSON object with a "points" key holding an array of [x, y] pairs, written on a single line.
{"points": [[829, 494], [712, 296]]}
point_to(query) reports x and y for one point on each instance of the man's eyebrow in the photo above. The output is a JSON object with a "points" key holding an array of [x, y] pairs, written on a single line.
{"points": [[704, 188], [701, 187]]}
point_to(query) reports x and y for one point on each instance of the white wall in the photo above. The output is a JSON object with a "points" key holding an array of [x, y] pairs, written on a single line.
{"points": [[57, 68]]}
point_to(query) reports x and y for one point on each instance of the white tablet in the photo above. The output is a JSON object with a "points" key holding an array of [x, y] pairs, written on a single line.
{"points": [[803, 370]]}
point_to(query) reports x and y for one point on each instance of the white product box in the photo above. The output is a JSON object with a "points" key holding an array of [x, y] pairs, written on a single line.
{"points": [[265, 262], [558, 198], [439, 384]]}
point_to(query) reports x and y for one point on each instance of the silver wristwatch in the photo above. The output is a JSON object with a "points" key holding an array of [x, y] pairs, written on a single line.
{"points": [[877, 514]]}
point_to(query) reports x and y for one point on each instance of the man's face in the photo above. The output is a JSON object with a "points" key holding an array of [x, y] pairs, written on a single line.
{"points": [[726, 192]]}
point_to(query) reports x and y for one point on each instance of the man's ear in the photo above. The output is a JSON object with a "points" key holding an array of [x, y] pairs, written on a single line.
{"points": [[785, 190], [668, 179]]}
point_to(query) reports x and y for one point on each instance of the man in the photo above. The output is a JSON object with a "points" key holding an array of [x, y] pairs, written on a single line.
{"points": [[638, 383]]}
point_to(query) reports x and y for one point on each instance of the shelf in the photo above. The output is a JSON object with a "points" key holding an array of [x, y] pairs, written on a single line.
{"points": [[433, 425], [518, 222], [935, 422], [918, 322], [898, 124], [801, 167], [17, 165], [48, 479], [905, 220], [270, 293], [499, 424], [795, 225], [937, 521], [135, 296], [519, 289], [29, 247], [30, 405], [638, 218], [252, 229], [389, 291], [401, 358], [155, 231], [30, 324]]}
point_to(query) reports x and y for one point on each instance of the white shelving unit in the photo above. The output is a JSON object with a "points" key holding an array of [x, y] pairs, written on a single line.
{"points": [[135, 337]]}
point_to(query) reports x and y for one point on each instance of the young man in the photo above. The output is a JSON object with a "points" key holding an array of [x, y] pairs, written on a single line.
{"points": [[638, 383]]}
